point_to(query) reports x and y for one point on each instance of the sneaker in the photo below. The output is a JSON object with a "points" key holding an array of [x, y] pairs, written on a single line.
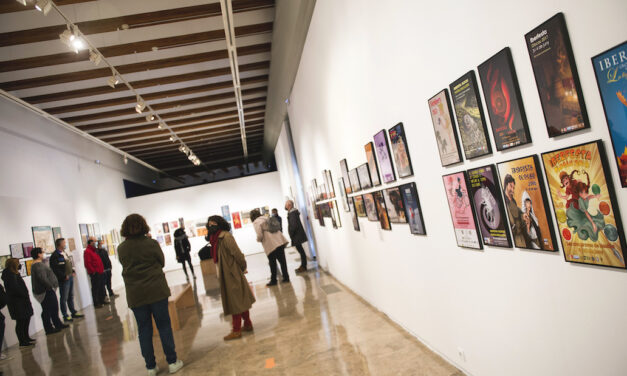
{"points": [[68, 319], [29, 344], [301, 270], [233, 335], [153, 372], [176, 366], [272, 283], [5, 357], [285, 280], [78, 315]]}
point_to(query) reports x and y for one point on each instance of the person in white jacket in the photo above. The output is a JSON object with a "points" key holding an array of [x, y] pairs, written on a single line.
{"points": [[273, 243]]}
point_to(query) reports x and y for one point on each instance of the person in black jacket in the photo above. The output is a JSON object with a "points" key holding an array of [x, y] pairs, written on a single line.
{"points": [[275, 214], [3, 303], [18, 300], [61, 265], [106, 263], [297, 233], [182, 249]]}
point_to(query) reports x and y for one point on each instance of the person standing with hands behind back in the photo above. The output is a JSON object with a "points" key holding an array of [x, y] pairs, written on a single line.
{"points": [[61, 265], [103, 253], [95, 269], [44, 283], [18, 300], [297, 233]]}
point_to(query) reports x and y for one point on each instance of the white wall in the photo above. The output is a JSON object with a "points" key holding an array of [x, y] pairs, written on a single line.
{"points": [[203, 201], [370, 64], [49, 178]]}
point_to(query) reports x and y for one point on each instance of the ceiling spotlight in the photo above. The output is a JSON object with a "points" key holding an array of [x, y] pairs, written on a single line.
{"points": [[150, 117], [112, 81], [43, 6], [77, 44], [182, 149], [23, 2], [172, 138], [95, 57], [197, 162], [67, 36], [139, 107], [160, 126]]}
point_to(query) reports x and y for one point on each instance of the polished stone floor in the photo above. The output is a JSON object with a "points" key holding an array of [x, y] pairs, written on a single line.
{"points": [[311, 326]]}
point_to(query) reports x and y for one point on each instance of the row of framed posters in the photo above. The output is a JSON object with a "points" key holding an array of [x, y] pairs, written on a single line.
{"points": [[507, 203]]}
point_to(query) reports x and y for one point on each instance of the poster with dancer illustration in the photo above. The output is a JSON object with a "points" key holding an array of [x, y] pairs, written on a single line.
{"points": [[486, 197], [372, 164], [413, 210], [398, 139], [461, 210], [526, 204], [383, 154], [610, 68], [585, 207], [444, 128]]}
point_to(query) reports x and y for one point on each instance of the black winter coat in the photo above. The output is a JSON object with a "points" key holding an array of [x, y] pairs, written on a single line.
{"points": [[57, 264], [182, 248], [295, 228], [104, 256], [18, 299]]}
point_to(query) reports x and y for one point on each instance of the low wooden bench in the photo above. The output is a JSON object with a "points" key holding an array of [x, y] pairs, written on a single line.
{"points": [[209, 275], [181, 296]]}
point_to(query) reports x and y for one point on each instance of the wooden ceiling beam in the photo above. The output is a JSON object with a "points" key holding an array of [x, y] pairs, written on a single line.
{"points": [[131, 21], [219, 164], [200, 150], [13, 6]]}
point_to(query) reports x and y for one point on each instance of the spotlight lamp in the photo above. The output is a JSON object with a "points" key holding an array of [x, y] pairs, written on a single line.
{"points": [[23, 2], [172, 138], [112, 81], [139, 107], [95, 57], [150, 117], [160, 126], [67, 36], [43, 6]]}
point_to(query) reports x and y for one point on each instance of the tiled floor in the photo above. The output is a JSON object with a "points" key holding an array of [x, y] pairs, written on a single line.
{"points": [[312, 326]]}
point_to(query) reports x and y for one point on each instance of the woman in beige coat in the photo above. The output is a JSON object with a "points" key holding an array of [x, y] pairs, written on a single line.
{"points": [[237, 298], [273, 245]]}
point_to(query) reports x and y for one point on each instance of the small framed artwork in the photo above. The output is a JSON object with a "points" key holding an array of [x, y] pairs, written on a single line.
{"points": [[359, 206], [460, 207], [27, 249], [43, 238], [556, 76], [444, 128], [3, 261], [364, 176], [379, 201], [372, 164], [413, 211], [237, 220], [71, 244], [470, 118], [56, 233], [174, 225], [28, 264], [585, 205], [16, 251], [394, 205], [486, 198], [400, 151], [329, 182], [335, 214], [168, 239], [90, 229], [383, 154], [23, 269], [503, 101], [354, 180], [166, 227], [610, 68], [84, 233], [226, 214], [371, 207], [345, 201], [354, 213], [344, 171], [526, 204]]}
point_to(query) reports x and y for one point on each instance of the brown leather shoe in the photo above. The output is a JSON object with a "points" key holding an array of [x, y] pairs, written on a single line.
{"points": [[301, 270], [248, 328], [233, 335]]}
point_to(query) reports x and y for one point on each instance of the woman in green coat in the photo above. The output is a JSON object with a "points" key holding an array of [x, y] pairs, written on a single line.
{"points": [[237, 297]]}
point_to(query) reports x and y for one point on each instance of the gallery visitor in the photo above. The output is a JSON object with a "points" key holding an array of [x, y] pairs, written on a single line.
{"points": [[182, 249], [297, 233], [95, 269], [62, 266], [44, 284], [103, 253], [273, 242], [3, 303], [237, 298], [147, 290], [275, 214], [18, 301]]}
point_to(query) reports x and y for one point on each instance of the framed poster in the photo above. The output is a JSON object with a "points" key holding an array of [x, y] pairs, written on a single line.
{"points": [[84, 234], [174, 225], [413, 211], [168, 239], [335, 214], [56, 233], [166, 227], [383, 154], [585, 207], [16, 251], [379, 202], [400, 151], [328, 179], [344, 171], [345, 201], [394, 205], [503, 101], [556, 76], [97, 232], [27, 248], [3, 261], [353, 213], [372, 164], [486, 198], [23, 269], [325, 210], [226, 213], [610, 68], [371, 207], [444, 128], [364, 176], [526, 204], [245, 217], [353, 176], [237, 220], [42, 237], [470, 118], [71, 244], [28, 264], [359, 206], [460, 207], [90, 229]]}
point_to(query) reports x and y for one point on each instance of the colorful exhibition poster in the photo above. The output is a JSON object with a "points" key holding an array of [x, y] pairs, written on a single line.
{"points": [[444, 128], [413, 211], [383, 154], [460, 208]]}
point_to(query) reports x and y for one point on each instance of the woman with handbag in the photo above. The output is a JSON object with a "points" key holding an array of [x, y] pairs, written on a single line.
{"points": [[182, 249], [273, 242], [237, 298]]}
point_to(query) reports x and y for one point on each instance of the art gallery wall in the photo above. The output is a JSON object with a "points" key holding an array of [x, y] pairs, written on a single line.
{"points": [[367, 65], [200, 202], [49, 178]]}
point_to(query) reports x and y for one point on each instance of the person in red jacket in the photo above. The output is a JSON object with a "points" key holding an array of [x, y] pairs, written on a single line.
{"points": [[95, 269]]}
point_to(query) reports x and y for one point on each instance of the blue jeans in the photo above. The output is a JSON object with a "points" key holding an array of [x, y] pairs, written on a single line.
{"points": [[66, 297], [143, 316]]}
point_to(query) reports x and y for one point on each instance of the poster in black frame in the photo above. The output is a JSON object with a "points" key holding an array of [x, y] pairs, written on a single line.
{"points": [[395, 205], [400, 150], [382, 148], [354, 214], [364, 176], [413, 210], [371, 207], [345, 201], [461, 210], [372, 163], [382, 212], [353, 177], [444, 128], [344, 172], [503, 101], [470, 118], [556, 77]]}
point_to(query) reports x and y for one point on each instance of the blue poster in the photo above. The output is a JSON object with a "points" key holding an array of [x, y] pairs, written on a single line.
{"points": [[610, 68], [226, 213], [412, 209]]}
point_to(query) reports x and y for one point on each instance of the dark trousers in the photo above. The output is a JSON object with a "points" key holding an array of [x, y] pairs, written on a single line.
{"points": [[50, 312], [303, 256], [107, 281], [1, 330], [66, 297], [143, 316], [97, 288], [21, 330], [278, 255], [187, 259]]}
